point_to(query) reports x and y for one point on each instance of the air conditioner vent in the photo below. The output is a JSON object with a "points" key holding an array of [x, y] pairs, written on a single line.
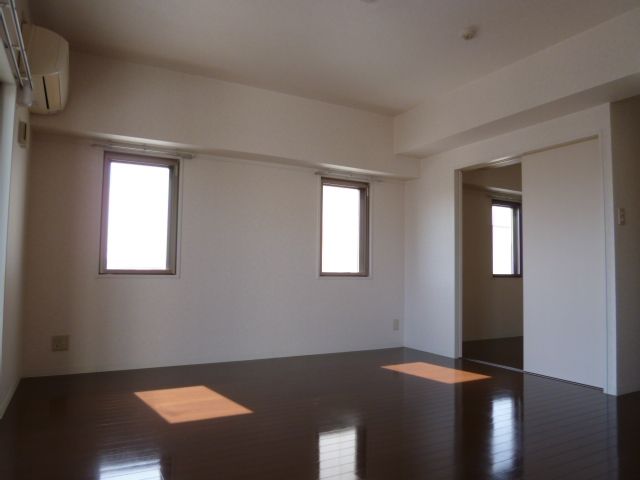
{"points": [[48, 56]]}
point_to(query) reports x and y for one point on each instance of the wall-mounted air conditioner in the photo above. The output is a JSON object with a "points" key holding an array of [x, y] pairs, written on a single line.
{"points": [[48, 55]]}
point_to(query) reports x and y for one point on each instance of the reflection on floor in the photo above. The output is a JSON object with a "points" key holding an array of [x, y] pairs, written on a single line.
{"points": [[338, 416], [137, 470], [500, 351], [341, 454]]}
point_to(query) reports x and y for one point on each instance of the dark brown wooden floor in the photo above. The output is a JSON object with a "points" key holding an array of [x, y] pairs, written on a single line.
{"points": [[329, 416], [501, 351]]}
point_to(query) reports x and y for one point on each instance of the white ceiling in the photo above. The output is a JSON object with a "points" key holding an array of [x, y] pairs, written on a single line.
{"points": [[385, 56]]}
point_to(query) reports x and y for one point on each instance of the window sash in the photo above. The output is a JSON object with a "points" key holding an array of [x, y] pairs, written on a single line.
{"points": [[172, 219], [363, 188], [516, 209]]}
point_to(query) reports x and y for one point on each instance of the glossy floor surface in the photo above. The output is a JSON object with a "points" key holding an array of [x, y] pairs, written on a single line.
{"points": [[501, 351], [339, 416]]}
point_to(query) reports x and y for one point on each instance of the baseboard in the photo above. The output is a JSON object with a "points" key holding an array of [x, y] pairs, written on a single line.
{"points": [[625, 389], [493, 338], [4, 402], [80, 369]]}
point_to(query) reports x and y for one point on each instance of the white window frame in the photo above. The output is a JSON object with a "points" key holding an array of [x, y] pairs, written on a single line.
{"points": [[516, 260], [364, 238], [172, 230]]}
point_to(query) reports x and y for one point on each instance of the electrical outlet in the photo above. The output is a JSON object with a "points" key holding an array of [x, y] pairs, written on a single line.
{"points": [[396, 324], [60, 343]]}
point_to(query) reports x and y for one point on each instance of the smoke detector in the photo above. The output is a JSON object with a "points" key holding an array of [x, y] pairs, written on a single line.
{"points": [[470, 32]]}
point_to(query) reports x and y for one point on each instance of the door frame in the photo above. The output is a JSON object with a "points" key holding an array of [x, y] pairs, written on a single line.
{"points": [[459, 238], [610, 382]]}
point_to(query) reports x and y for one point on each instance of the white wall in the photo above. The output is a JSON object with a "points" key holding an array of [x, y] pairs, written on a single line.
{"points": [[430, 219], [248, 284], [625, 135], [128, 101], [7, 112], [492, 306], [11, 361], [564, 281], [13, 184]]}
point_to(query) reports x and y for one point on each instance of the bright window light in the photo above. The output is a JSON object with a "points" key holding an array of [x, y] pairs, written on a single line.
{"points": [[340, 229], [505, 222], [138, 216], [344, 235]]}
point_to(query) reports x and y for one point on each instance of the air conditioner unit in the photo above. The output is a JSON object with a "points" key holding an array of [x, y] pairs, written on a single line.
{"points": [[48, 55]]}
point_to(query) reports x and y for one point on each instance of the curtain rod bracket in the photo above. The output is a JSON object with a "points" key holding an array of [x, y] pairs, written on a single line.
{"points": [[144, 149]]}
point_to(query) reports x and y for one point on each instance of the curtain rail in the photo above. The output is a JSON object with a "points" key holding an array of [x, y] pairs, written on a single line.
{"points": [[14, 42]]}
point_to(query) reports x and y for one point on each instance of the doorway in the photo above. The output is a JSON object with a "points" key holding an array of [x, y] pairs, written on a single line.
{"points": [[492, 267]]}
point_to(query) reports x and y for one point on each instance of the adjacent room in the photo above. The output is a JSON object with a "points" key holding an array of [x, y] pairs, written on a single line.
{"points": [[492, 260], [319, 239]]}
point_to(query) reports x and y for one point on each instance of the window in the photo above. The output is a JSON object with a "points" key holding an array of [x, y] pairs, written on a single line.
{"points": [[139, 215], [506, 228], [345, 228]]}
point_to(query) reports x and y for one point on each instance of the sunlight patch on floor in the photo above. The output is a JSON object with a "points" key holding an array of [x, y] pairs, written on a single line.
{"points": [[189, 404], [436, 373]]}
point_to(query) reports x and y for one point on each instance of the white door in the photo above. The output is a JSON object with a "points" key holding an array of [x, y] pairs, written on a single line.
{"points": [[564, 263]]}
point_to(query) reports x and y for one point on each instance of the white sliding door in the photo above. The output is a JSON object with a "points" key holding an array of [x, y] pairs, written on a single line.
{"points": [[564, 263]]}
